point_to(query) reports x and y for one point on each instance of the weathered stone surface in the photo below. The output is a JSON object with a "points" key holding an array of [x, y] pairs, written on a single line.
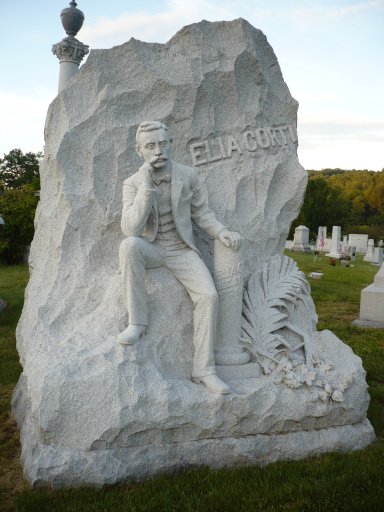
{"points": [[120, 415], [93, 411]]}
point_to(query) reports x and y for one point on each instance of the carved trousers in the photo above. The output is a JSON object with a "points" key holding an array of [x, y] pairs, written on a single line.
{"points": [[136, 254]]}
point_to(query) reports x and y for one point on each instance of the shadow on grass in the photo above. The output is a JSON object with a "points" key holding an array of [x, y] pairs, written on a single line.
{"points": [[327, 483]]}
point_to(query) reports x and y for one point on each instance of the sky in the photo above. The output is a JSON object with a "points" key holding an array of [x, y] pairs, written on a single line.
{"points": [[331, 53]]}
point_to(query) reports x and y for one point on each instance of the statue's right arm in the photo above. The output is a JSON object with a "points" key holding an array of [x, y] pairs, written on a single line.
{"points": [[137, 203]]}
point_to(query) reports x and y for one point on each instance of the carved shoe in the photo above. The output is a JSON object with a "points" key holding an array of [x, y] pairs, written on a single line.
{"points": [[213, 383], [131, 334]]}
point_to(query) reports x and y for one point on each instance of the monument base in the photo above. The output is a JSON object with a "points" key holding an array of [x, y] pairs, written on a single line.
{"points": [[65, 467], [124, 417]]}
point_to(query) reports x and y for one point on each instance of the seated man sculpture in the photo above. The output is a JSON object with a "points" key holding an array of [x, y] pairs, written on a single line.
{"points": [[160, 202]]}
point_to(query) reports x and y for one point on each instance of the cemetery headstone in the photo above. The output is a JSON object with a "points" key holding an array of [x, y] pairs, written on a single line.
{"points": [[359, 241], [92, 410], [321, 238], [301, 240], [372, 303], [335, 251], [370, 251], [377, 256]]}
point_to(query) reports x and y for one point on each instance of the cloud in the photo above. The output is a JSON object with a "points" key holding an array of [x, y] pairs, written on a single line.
{"points": [[160, 26], [346, 143], [344, 127], [153, 27], [23, 119], [307, 17]]}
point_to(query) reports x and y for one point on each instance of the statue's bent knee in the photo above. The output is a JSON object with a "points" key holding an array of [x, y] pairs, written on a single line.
{"points": [[130, 244]]}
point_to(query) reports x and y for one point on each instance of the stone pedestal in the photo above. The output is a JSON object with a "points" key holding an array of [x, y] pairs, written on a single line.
{"points": [[228, 277]]}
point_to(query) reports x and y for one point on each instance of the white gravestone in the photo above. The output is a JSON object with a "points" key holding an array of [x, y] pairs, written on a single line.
{"points": [[372, 303], [359, 241], [345, 246], [335, 251], [321, 238], [301, 240], [377, 256], [94, 411], [370, 251]]}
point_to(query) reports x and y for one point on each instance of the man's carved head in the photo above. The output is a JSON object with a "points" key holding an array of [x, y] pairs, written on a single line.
{"points": [[150, 126], [153, 143]]}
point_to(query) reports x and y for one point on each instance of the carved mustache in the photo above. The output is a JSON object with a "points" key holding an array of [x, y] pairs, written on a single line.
{"points": [[156, 159]]}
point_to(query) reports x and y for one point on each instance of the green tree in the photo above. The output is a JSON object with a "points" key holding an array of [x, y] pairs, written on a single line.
{"points": [[18, 169], [322, 206], [350, 199], [17, 208], [19, 179]]}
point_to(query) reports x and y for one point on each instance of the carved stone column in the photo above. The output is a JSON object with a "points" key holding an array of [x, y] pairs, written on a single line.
{"points": [[228, 279], [70, 52]]}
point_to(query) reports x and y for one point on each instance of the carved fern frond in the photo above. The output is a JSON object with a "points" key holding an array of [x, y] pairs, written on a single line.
{"points": [[265, 306]]}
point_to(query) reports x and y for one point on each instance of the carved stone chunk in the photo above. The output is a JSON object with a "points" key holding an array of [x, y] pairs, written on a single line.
{"points": [[94, 411]]}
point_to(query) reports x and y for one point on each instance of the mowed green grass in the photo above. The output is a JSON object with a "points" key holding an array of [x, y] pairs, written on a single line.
{"points": [[336, 482]]}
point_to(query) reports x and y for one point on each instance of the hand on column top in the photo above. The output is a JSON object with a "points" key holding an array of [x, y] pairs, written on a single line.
{"points": [[230, 239]]}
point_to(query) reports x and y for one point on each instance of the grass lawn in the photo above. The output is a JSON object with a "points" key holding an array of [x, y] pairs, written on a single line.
{"points": [[335, 482]]}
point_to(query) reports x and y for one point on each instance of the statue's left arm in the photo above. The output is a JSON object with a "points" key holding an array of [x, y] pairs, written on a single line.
{"points": [[206, 219]]}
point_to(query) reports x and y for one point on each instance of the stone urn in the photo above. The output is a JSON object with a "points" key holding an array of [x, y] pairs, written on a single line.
{"points": [[72, 19]]}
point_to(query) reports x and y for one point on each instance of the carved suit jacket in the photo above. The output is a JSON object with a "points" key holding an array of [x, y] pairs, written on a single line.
{"points": [[140, 215]]}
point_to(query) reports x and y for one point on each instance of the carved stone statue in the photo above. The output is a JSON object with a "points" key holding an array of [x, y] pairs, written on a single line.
{"points": [[95, 411], [160, 202]]}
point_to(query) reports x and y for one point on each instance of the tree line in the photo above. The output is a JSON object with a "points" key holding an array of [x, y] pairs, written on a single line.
{"points": [[19, 183], [353, 200]]}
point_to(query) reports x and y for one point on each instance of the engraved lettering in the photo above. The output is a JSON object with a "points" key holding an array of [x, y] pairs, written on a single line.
{"points": [[292, 132], [262, 138], [233, 146], [251, 140], [250, 143], [221, 145], [209, 155], [282, 134], [274, 138], [195, 153]]}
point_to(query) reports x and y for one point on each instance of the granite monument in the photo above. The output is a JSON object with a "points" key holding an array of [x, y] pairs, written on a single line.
{"points": [[97, 404]]}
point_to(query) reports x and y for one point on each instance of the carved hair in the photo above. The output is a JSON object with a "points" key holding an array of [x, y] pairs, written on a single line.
{"points": [[149, 126]]}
